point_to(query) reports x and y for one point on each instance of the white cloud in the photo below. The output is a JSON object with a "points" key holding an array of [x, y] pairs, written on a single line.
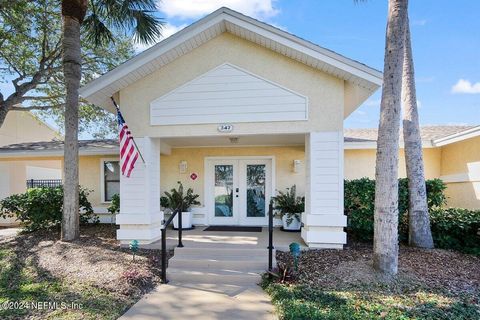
{"points": [[420, 22], [360, 113], [167, 31], [187, 9], [419, 104], [465, 86]]}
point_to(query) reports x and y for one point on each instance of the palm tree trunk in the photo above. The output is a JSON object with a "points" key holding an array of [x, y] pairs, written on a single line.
{"points": [[73, 12], [385, 256], [419, 234]]}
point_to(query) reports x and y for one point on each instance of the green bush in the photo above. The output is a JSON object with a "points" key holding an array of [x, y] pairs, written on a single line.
{"points": [[41, 208], [114, 206], [456, 228], [360, 205]]}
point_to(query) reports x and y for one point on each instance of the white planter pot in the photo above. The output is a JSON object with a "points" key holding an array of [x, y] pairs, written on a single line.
{"points": [[186, 220], [294, 225]]}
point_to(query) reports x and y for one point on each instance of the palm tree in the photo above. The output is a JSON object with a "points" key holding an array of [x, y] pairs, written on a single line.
{"points": [[98, 17], [385, 245], [420, 234]]}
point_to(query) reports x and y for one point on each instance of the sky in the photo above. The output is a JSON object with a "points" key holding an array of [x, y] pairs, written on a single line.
{"points": [[445, 40]]}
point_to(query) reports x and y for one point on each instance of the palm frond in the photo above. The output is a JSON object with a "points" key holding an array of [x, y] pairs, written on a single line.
{"points": [[136, 18]]}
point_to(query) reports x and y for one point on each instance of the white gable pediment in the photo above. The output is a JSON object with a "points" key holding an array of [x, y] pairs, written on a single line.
{"points": [[228, 94]]}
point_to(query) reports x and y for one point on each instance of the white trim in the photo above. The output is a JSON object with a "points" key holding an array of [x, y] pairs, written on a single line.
{"points": [[102, 180], [99, 90], [456, 137]]}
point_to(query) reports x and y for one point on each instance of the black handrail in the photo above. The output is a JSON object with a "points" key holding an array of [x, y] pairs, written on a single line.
{"points": [[270, 236], [164, 240]]}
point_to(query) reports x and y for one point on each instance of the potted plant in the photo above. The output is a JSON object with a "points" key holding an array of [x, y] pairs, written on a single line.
{"points": [[178, 199], [290, 208]]}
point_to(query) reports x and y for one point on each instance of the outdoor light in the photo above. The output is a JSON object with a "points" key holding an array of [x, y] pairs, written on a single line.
{"points": [[297, 165], [182, 166]]}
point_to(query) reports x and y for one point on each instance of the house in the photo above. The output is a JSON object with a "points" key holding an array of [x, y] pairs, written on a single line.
{"points": [[233, 104], [19, 127], [450, 153], [232, 97]]}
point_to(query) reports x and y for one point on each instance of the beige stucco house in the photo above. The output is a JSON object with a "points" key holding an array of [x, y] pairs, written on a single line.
{"points": [[232, 97], [229, 99], [20, 127]]}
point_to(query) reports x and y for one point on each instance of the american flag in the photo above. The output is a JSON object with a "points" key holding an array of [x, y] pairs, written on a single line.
{"points": [[128, 151]]}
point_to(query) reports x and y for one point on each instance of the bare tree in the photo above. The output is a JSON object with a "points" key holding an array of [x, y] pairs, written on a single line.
{"points": [[385, 256], [419, 234]]}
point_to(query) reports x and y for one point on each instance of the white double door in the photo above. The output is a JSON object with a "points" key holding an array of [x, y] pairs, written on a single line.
{"points": [[238, 191]]}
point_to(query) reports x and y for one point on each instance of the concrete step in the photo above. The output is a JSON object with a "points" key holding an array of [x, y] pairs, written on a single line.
{"points": [[229, 263], [213, 276], [214, 252]]}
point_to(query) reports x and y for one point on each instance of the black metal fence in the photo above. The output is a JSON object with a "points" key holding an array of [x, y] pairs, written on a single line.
{"points": [[43, 183]]}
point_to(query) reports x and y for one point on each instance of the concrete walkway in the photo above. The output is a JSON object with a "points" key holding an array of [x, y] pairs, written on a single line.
{"points": [[203, 301], [9, 232]]}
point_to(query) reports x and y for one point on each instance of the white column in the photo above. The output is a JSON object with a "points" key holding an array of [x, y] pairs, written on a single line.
{"points": [[324, 219], [140, 216]]}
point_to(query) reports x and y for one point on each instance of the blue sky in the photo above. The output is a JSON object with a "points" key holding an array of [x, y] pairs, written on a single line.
{"points": [[446, 45], [445, 35]]}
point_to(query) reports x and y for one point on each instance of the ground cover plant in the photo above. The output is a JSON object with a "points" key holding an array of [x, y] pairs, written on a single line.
{"points": [[333, 284]]}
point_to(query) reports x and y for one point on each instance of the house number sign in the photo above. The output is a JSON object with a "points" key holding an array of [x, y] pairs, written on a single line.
{"points": [[225, 127]]}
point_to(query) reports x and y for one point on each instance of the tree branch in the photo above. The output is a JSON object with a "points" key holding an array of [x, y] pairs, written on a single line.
{"points": [[29, 108]]}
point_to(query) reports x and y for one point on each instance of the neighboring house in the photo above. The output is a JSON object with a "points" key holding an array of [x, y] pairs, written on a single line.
{"points": [[19, 127], [451, 153]]}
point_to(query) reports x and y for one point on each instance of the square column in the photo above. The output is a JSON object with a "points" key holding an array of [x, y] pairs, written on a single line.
{"points": [[324, 219], [140, 217]]}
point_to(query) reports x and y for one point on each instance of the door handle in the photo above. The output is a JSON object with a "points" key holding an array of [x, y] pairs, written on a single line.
{"points": [[236, 190]]}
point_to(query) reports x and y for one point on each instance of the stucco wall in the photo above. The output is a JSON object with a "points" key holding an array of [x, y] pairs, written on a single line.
{"points": [[460, 168], [325, 92], [21, 126], [284, 156], [361, 163]]}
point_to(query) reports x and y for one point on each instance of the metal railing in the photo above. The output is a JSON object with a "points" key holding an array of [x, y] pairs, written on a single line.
{"points": [[164, 241], [270, 236], [43, 183]]}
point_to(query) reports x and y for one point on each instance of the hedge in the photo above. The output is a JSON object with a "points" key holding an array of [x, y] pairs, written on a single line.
{"points": [[41, 208], [452, 228]]}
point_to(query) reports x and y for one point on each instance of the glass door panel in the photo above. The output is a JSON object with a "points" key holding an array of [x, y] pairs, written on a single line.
{"points": [[256, 174], [223, 190]]}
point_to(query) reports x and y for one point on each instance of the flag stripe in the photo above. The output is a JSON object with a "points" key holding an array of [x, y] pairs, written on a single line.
{"points": [[128, 152]]}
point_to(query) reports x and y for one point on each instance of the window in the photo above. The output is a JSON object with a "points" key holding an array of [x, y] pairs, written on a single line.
{"points": [[111, 179]]}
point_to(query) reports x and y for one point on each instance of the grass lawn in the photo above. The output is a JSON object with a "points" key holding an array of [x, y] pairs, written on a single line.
{"points": [[332, 284], [91, 278]]}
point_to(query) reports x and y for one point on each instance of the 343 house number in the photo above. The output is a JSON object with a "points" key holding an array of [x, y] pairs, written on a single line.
{"points": [[225, 128]]}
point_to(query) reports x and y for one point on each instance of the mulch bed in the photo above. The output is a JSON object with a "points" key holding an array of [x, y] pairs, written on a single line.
{"points": [[432, 270], [96, 258]]}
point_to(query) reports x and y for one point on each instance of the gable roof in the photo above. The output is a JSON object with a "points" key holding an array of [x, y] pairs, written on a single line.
{"points": [[223, 20], [432, 136]]}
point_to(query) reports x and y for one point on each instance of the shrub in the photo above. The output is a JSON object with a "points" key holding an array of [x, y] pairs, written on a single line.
{"points": [[114, 206], [456, 228], [360, 205], [41, 208]]}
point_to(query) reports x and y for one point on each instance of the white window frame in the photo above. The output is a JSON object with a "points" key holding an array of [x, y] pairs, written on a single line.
{"points": [[102, 177]]}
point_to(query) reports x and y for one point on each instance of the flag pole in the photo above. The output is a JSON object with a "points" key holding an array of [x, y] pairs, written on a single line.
{"points": [[118, 110]]}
